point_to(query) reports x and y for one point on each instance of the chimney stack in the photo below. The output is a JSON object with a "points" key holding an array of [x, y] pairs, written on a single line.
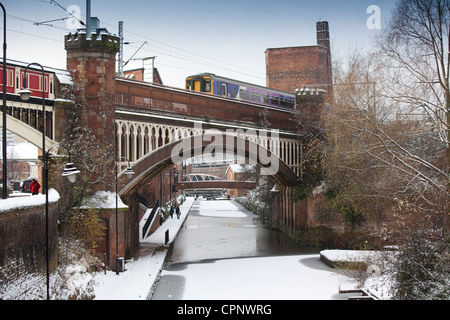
{"points": [[323, 40], [323, 34]]}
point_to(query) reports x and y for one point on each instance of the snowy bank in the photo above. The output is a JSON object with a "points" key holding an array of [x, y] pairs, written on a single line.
{"points": [[335, 258], [371, 276], [28, 201]]}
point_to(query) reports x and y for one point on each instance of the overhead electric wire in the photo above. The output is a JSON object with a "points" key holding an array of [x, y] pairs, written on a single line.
{"points": [[33, 35], [167, 49], [190, 52], [201, 62], [81, 22], [180, 56], [34, 22]]}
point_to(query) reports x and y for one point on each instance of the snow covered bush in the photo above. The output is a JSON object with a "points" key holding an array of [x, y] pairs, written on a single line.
{"points": [[71, 280], [422, 269]]}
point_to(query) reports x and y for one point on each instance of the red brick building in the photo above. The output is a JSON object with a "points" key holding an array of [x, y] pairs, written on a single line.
{"points": [[291, 68], [239, 172]]}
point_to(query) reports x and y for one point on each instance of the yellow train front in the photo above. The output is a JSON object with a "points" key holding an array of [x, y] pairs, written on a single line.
{"points": [[211, 84]]}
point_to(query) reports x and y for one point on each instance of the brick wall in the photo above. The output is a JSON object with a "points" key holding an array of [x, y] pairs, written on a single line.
{"points": [[107, 244], [23, 235], [291, 68]]}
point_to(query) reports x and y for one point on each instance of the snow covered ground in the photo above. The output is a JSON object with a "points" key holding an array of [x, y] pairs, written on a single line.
{"points": [[297, 277], [209, 209], [140, 274], [302, 277], [133, 284], [284, 277]]}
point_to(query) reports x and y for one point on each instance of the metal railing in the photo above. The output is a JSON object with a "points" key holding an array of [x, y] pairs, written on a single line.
{"points": [[150, 219]]}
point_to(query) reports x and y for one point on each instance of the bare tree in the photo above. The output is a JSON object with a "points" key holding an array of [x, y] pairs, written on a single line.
{"points": [[354, 173], [77, 220], [374, 157], [86, 149], [415, 51], [400, 158], [409, 73]]}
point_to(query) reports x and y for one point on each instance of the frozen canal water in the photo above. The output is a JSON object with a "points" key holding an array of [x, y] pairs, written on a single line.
{"points": [[224, 252], [224, 229]]}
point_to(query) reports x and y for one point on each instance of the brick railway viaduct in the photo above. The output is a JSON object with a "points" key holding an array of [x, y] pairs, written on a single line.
{"points": [[140, 123]]}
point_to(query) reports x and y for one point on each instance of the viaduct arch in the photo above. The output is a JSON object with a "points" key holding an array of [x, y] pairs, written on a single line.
{"points": [[149, 166]]}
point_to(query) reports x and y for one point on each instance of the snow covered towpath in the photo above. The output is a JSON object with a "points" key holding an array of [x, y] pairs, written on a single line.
{"points": [[142, 272]]}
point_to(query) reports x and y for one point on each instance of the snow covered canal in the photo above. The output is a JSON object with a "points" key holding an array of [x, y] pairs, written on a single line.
{"points": [[224, 252]]}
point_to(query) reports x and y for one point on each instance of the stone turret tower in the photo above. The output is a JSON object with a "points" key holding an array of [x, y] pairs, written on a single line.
{"points": [[92, 62]]}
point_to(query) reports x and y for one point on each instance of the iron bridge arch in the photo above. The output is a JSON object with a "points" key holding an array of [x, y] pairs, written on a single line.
{"points": [[151, 165]]}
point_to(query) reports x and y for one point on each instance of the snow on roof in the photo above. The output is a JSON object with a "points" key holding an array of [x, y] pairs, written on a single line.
{"points": [[239, 168], [63, 76]]}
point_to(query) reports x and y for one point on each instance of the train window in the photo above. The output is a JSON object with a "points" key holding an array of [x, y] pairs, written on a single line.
{"points": [[265, 98], [244, 94], [189, 84], [274, 100], [224, 90], [254, 96], [283, 102], [207, 85], [291, 103]]}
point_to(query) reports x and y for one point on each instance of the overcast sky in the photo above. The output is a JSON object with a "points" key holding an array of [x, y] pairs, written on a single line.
{"points": [[227, 38]]}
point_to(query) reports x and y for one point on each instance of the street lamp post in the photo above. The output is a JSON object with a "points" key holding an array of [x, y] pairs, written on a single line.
{"points": [[70, 171], [4, 164], [128, 172], [175, 180], [25, 94], [169, 174]]}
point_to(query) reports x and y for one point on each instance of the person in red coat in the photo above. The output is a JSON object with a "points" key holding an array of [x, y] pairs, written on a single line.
{"points": [[34, 187]]}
